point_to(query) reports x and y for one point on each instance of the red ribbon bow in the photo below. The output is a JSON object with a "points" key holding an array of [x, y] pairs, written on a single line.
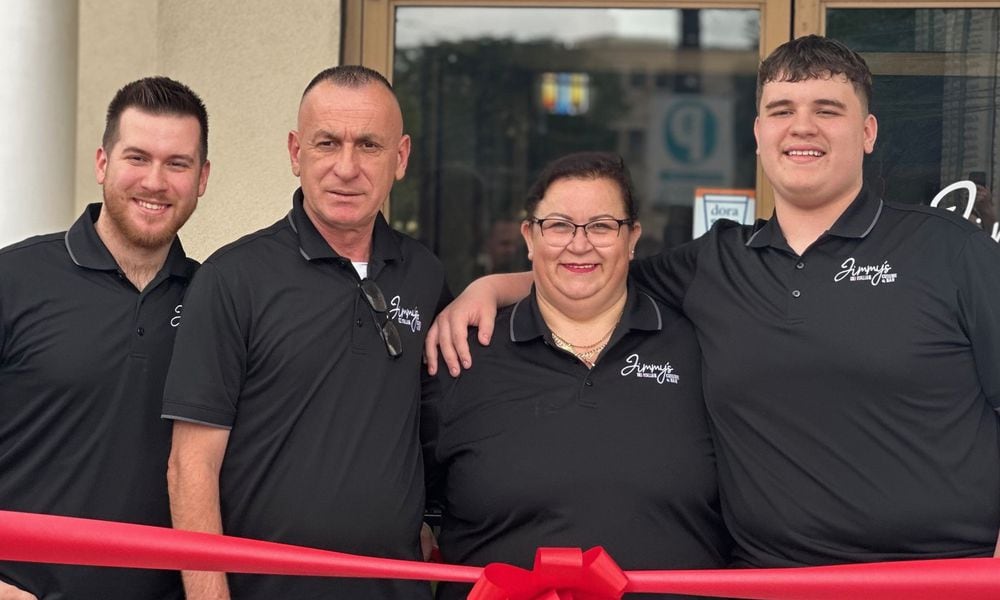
{"points": [[559, 574]]}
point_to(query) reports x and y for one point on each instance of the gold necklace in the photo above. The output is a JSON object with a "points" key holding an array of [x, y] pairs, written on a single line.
{"points": [[588, 357], [582, 351], [585, 353], [558, 338]]}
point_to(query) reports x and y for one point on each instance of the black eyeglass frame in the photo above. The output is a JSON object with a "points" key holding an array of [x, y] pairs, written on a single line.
{"points": [[620, 222], [375, 299]]}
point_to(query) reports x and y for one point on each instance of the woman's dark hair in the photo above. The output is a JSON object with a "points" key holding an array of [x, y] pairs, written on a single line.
{"points": [[583, 165]]}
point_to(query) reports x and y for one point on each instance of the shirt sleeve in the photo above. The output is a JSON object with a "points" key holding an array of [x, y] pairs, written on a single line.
{"points": [[667, 275], [433, 390], [3, 331], [444, 299], [978, 278], [208, 367]]}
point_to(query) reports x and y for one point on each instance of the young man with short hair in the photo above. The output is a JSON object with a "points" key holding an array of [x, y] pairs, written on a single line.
{"points": [[87, 322]]}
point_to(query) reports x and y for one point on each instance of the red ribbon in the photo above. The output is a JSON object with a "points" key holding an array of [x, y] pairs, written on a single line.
{"points": [[941, 579], [559, 574], [32, 537]]}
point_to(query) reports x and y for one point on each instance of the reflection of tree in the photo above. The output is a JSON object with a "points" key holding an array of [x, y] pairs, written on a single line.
{"points": [[480, 136]]}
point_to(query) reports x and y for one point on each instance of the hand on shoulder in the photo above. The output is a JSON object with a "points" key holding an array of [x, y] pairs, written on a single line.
{"points": [[475, 307], [9, 592]]}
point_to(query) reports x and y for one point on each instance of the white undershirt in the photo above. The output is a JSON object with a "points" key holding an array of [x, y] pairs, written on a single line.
{"points": [[361, 268]]}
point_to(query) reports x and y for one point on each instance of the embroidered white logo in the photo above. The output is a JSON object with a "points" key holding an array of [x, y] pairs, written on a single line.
{"points": [[176, 319], [405, 316], [661, 373], [873, 274]]}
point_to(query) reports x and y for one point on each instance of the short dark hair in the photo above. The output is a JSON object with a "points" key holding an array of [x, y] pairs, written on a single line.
{"points": [[352, 76], [583, 165], [157, 96], [815, 57]]}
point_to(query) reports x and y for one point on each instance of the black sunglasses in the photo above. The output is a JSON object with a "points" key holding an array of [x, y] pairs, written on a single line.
{"points": [[376, 301]]}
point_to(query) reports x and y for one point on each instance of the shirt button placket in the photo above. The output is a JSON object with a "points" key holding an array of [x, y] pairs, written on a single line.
{"points": [[362, 318], [797, 287], [588, 396], [139, 321]]}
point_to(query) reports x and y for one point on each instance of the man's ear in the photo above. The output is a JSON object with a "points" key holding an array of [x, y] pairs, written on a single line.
{"points": [[871, 132], [101, 165], [293, 151], [402, 156]]}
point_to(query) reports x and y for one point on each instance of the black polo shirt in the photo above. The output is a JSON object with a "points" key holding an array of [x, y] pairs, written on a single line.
{"points": [[852, 389], [83, 356], [536, 450], [279, 344]]}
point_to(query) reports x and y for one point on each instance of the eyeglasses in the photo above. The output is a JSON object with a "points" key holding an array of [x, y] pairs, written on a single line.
{"points": [[560, 232], [376, 301]]}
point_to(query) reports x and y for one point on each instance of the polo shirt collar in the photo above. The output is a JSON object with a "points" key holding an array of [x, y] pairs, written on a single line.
{"points": [[766, 232], [860, 217], [641, 313], [855, 222], [312, 246], [87, 250]]}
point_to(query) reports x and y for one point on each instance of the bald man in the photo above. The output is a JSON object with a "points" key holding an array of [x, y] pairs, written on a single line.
{"points": [[296, 378]]}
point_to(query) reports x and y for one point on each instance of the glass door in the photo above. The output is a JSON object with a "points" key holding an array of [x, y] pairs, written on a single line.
{"points": [[936, 90], [492, 92]]}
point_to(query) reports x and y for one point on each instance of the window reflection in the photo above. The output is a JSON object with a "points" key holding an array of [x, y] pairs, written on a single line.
{"points": [[490, 95], [935, 95]]}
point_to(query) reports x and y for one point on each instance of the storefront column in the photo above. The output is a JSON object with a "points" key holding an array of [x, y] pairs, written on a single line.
{"points": [[38, 57]]}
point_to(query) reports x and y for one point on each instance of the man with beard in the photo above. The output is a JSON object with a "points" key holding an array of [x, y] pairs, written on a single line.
{"points": [[87, 321]]}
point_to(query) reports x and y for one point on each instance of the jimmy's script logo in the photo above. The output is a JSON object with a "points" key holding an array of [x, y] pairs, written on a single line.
{"points": [[873, 274], [405, 316], [662, 373]]}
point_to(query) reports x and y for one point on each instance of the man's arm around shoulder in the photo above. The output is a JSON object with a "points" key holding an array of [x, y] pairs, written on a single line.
{"points": [[476, 306], [193, 482], [9, 592]]}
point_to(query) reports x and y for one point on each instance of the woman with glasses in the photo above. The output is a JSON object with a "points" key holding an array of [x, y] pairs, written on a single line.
{"points": [[582, 424]]}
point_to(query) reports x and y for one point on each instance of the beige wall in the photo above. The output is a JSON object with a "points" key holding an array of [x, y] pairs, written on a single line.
{"points": [[248, 60]]}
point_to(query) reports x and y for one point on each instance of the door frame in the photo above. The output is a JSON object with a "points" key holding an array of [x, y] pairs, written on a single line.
{"points": [[810, 15]]}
